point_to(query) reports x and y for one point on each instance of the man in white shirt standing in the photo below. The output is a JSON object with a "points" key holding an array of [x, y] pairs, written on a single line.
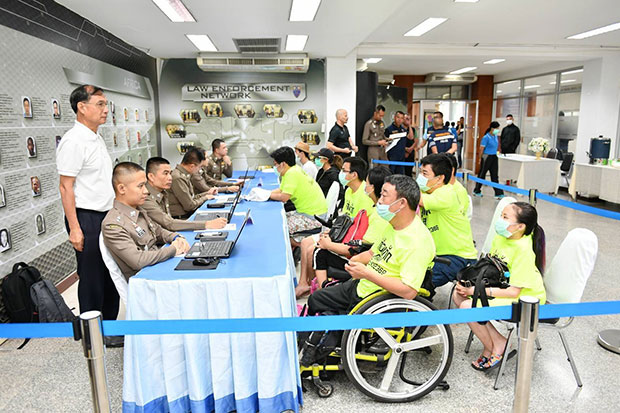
{"points": [[85, 170], [302, 150]]}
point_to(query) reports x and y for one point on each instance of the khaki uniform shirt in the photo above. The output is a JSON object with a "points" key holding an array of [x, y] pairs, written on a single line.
{"points": [[217, 167], [374, 131], [158, 209], [181, 196], [132, 238], [203, 182]]}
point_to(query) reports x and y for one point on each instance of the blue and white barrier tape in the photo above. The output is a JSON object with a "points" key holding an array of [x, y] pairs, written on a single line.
{"points": [[344, 322], [396, 163]]}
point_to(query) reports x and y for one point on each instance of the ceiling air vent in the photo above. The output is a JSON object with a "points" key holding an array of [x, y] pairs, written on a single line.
{"points": [[254, 46], [236, 62]]}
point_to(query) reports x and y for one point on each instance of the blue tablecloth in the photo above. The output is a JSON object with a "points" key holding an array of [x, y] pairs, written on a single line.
{"points": [[220, 372]]}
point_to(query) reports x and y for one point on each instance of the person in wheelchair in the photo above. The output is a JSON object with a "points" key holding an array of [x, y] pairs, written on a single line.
{"points": [[461, 191], [445, 217], [396, 263], [332, 255], [353, 178], [520, 243]]}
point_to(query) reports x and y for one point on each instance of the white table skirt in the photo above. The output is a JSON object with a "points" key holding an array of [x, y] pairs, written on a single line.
{"points": [[529, 173], [595, 181]]}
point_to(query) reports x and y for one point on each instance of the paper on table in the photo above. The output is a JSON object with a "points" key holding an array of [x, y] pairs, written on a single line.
{"points": [[224, 198], [228, 227]]}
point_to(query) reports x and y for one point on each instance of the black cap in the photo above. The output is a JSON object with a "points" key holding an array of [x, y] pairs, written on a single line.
{"points": [[325, 153]]}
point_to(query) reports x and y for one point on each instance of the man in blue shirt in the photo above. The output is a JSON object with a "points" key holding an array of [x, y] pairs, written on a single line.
{"points": [[397, 152], [489, 162], [440, 138]]}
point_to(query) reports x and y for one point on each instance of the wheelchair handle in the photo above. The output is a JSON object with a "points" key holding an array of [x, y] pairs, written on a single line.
{"points": [[442, 260]]}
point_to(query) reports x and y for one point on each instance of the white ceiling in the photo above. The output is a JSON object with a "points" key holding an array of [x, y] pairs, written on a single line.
{"points": [[524, 32]]}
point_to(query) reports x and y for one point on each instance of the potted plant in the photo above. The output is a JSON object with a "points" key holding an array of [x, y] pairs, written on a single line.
{"points": [[538, 146]]}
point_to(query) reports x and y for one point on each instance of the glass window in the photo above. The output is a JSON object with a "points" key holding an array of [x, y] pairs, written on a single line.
{"points": [[505, 107], [438, 92], [539, 85], [568, 120], [537, 120], [571, 80], [419, 92], [511, 88], [458, 92]]}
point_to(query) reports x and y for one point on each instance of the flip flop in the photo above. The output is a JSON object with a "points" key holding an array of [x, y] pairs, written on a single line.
{"points": [[479, 364], [494, 361]]}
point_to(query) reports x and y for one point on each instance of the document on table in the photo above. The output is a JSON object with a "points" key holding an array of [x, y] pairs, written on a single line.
{"points": [[393, 139], [228, 227]]}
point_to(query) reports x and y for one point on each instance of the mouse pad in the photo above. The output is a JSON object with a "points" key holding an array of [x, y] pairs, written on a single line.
{"points": [[189, 265]]}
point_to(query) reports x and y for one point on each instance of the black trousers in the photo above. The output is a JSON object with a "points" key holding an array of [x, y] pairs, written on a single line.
{"points": [[323, 259], [337, 299], [96, 290], [489, 163]]}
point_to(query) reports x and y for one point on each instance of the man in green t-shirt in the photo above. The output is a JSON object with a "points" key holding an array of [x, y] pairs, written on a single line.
{"points": [[301, 190], [353, 177], [444, 215], [396, 263]]}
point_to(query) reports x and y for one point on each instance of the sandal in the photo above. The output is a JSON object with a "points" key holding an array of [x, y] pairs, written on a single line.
{"points": [[494, 361], [479, 364]]}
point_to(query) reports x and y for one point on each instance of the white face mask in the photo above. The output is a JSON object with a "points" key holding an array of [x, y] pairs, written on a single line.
{"points": [[509, 122]]}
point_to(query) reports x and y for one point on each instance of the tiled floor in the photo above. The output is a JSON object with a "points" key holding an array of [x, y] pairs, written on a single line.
{"points": [[51, 375]]}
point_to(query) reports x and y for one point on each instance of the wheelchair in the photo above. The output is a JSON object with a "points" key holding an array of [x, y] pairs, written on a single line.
{"points": [[398, 364]]}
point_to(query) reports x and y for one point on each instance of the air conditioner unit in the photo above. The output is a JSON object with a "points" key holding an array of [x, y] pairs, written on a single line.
{"points": [[235, 62], [448, 79]]}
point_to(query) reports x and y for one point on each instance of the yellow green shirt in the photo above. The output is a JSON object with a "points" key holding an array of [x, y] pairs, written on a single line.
{"points": [[376, 227], [305, 193], [521, 260], [445, 218], [462, 195], [404, 254], [355, 201]]}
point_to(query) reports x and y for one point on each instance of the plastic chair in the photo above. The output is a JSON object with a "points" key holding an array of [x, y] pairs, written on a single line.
{"points": [[565, 280], [117, 276], [491, 233], [332, 198]]}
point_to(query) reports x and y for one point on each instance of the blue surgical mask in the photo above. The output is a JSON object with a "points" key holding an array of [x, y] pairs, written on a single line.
{"points": [[317, 162], [422, 183], [275, 168], [495, 132], [384, 211], [342, 178], [501, 227]]}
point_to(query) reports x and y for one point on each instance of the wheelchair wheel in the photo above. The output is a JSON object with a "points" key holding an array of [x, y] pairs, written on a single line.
{"points": [[413, 360]]}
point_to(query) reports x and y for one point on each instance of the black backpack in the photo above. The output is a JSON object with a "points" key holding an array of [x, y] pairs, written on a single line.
{"points": [[49, 303], [488, 271], [16, 293]]}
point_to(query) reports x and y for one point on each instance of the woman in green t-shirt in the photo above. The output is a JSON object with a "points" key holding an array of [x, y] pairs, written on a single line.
{"points": [[520, 243]]}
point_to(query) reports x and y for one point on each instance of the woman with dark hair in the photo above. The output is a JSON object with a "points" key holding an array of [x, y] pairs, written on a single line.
{"points": [[489, 161], [520, 243]]}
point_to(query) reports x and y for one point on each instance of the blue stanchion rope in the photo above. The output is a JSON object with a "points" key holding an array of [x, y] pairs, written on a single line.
{"points": [[344, 322], [397, 163]]}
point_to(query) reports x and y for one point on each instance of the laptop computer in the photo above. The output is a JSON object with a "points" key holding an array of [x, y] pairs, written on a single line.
{"points": [[215, 249], [246, 176], [208, 216], [231, 198]]}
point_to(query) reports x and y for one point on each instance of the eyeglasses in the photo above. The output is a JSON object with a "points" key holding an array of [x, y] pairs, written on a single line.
{"points": [[100, 105]]}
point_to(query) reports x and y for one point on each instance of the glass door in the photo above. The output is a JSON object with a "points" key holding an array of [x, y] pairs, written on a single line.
{"points": [[470, 137]]}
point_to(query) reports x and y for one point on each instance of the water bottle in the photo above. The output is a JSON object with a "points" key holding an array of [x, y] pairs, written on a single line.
{"points": [[260, 182]]}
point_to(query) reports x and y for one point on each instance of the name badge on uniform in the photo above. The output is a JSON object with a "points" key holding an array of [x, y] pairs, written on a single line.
{"points": [[140, 231]]}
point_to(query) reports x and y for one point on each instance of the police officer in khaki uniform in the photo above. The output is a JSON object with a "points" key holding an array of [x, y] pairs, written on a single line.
{"points": [[203, 182], [374, 135], [219, 162], [132, 238], [181, 196], [156, 205]]}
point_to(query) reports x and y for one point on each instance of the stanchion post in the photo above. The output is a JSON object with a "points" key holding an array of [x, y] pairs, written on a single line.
{"points": [[528, 329], [94, 351], [533, 197], [465, 179]]}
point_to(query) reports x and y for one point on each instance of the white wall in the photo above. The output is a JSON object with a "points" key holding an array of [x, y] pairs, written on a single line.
{"points": [[600, 104], [340, 90]]}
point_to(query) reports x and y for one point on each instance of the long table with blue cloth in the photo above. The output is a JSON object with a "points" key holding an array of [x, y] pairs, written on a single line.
{"points": [[243, 372]]}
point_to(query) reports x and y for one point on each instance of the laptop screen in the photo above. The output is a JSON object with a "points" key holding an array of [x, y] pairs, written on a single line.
{"points": [[245, 220]]}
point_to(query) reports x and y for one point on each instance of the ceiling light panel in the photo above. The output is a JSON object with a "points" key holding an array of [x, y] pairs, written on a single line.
{"points": [[494, 61], [463, 70], [304, 10], [202, 42], [296, 42], [426, 26], [372, 59], [595, 32], [175, 10]]}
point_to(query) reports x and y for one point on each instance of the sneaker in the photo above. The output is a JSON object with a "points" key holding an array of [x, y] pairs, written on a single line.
{"points": [[499, 196], [477, 194]]}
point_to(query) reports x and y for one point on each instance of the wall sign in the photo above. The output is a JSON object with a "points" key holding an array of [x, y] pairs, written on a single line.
{"points": [[245, 92]]}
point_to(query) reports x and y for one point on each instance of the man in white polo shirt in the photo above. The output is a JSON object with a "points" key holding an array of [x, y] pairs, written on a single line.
{"points": [[85, 170]]}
